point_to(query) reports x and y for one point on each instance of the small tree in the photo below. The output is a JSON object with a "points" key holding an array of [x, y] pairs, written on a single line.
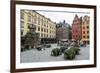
{"points": [[31, 39]]}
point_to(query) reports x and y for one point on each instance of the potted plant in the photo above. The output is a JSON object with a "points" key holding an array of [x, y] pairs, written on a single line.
{"points": [[63, 48], [48, 46], [76, 49], [55, 52], [69, 54]]}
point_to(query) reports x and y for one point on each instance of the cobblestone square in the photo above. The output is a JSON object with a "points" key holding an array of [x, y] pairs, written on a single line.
{"points": [[45, 55]]}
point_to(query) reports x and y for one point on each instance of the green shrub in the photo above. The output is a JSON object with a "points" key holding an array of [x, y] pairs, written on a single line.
{"points": [[63, 49], [69, 54], [76, 50], [48, 46], [55, 52]]}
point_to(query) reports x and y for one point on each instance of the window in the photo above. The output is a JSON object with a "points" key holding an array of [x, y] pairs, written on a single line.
{"points": [[87, 31], [41, 35], [42, 29], [87, 36], [22, 14], [38, 28], [83, 36], [29, 18], [84, 32], [47, 30], [21, 32], [83, 27], [87, 27]]}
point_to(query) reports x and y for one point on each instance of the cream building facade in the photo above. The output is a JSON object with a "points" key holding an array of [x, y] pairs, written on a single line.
{"points": [[44, 26], [85, 29]]}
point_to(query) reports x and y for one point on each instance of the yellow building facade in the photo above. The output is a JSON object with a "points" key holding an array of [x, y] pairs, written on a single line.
{"points": [[44, 26], [85, 29]]}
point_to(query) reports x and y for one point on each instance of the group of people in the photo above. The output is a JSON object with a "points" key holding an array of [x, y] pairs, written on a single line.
{"points": [[72, 43]]}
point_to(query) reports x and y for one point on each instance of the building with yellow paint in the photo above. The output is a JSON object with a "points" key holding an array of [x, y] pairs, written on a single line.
{"points": [[85, 29], [44, 26]]}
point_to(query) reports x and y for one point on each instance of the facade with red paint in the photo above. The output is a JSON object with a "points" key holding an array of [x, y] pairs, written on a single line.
{"points": [[77, 28]]}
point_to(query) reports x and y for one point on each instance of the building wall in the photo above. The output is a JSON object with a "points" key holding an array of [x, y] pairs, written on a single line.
{"points": [[24, 22], [44, 26], [62, 31], [77, 28], [85, 29], [59, 33]]}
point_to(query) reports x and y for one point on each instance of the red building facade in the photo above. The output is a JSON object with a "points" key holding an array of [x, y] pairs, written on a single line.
{"points": [[77, 28]]}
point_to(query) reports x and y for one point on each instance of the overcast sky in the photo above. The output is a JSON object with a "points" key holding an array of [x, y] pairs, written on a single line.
{"points": [[57, 16]]}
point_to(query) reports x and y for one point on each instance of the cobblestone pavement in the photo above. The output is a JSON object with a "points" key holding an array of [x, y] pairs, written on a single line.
{"points": [[44, 55]]}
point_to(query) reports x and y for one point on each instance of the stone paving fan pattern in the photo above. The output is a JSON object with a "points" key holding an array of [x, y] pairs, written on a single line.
{"points": [[44, 55]]}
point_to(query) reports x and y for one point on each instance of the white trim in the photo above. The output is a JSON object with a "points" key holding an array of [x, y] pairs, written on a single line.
{"points": [[52, 64]]}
